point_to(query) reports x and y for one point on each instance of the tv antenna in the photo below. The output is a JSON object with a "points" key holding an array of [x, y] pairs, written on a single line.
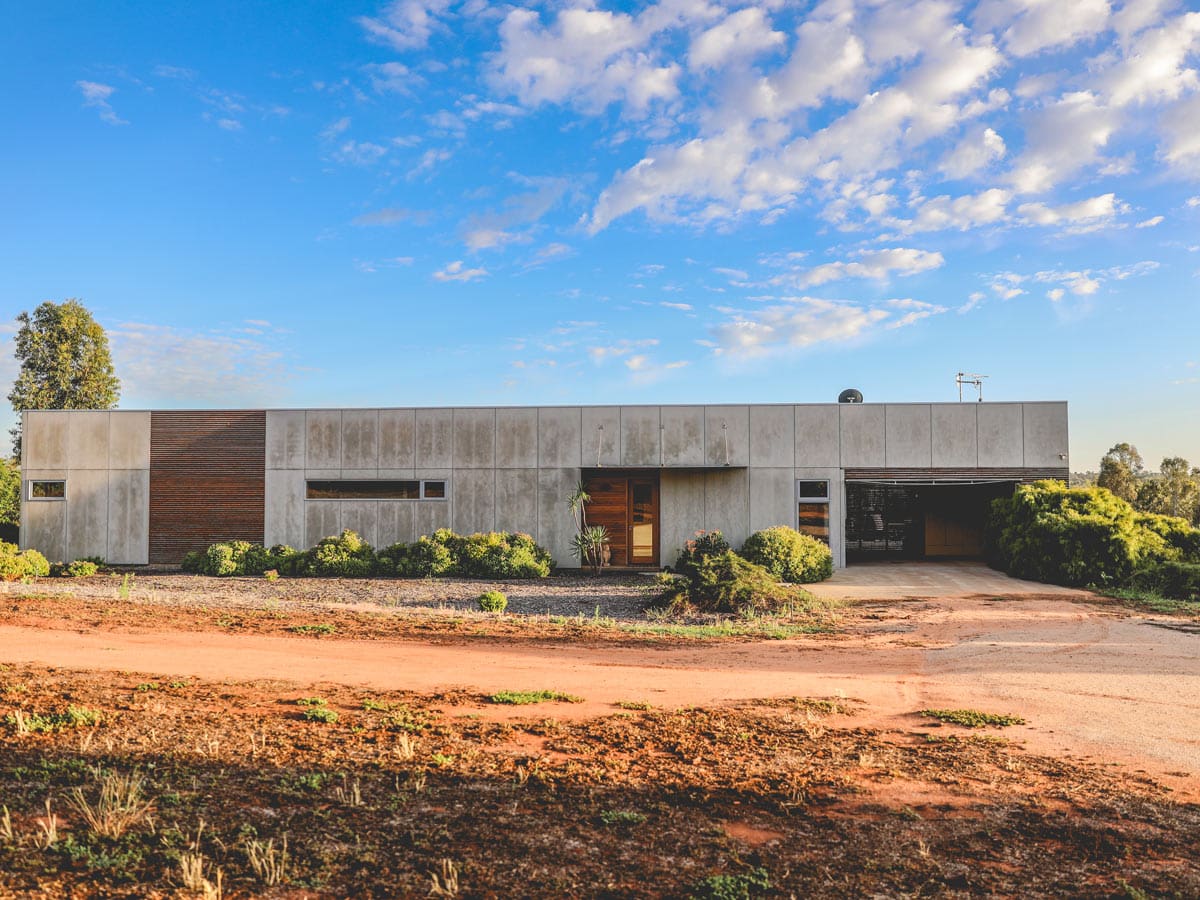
{"points": [[972, 379]]}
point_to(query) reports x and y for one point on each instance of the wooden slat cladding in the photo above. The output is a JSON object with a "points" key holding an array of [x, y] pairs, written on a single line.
{"points": [[964, 474], [207, 480]]}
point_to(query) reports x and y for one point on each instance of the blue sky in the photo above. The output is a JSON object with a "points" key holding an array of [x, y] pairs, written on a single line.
{"points": [[432, 202]]}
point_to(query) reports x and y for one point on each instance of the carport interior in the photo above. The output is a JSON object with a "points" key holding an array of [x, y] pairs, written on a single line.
{"points": [[918, 520]]}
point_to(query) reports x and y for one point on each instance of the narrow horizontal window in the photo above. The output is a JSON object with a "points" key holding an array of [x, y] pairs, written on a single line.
{"points": [[812, 490], [47, 490], [375, 490]]}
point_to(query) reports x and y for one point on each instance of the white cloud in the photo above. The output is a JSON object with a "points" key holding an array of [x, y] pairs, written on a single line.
{"points": [[1180, 145], [976, 151], [1061, 138], [876, 264], [333, 129], [510, 223], [404, 24], [392, 78], [96, 96], [1078, 282], [624, 347], [1056, 294], [743, 34], [809, 321], [1193, 202], [430, 160], [960, 213], [683, 307], [1150, 223], [229, 124], [168, 367], [359, 153], [912, 311], [1077, 217], [457, 271], [1154, 69], [387, 216], [1030, 26], [973, 300]]}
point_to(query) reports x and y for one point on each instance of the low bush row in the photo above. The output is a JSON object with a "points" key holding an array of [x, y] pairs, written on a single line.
{"points": [[485, 555], [1088, 537]]}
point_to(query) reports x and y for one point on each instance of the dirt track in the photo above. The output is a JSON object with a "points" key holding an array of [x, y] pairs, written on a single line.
{"points": [[1092, 680]]}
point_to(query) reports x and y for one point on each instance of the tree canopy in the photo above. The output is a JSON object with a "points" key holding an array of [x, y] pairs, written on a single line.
{"points": [[65, 362], [1119, 471]]}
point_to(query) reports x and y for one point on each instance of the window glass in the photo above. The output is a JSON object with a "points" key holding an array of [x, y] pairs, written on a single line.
{"points": [[814, 490], [814, 520], [363, 490], [47, 490], [435, 490]]}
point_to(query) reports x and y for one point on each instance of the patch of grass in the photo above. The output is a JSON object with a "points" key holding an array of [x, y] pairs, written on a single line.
{"points": [[972, 718], [319, 628], [633, 704], [32, 723], [522, 698], [146, 686], [622, 817], [743, 886], [1152, 601], [315, 710]]}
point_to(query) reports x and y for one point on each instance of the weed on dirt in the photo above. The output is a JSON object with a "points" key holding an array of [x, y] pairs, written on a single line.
{"points": [[972, 718]]}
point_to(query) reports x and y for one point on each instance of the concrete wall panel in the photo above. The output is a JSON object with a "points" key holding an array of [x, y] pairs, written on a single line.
{"points": [[1045, 429], [128, 440], [362, 517], [517, 500], [681, 509], [641, 436], [682, 436], [474, 438], [560, 437], [284, 508], [360, 441], [474, 500], [1001, 439], [45, 528], [432, 515], [397, 442], [87, 440], [773, 436], [516, 438], [726, 435], [818, 438], [601, 436], [727, 504], [435, 438], [555, 525], [129, 517], [322, 518], [955, 436], [44, 442], [285, 439], [907, 436], [397, 522], [772, 493], [323, 439], [87, 510], [862, 429]]}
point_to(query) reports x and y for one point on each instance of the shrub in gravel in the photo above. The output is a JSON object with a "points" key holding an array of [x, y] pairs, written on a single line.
{"points": [[345, 556], [17, 564], [789, 555], [493, 601], [424, 558], [80, 568], [237, 558], [491, 554], [725, 583], [702, 545]]}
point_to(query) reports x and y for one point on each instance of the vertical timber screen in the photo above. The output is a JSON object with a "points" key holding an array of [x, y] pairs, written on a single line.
{"points": [[207, 480]]}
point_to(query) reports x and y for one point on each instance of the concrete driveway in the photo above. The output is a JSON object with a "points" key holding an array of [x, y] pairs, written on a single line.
{"points": [[902, 580]]}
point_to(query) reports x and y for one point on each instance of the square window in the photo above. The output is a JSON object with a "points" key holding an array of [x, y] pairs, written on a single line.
{"points": [[813, 490], [434, 490]]}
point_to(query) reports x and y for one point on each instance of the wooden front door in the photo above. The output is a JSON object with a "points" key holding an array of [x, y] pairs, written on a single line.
{"points": [[627, 506]]}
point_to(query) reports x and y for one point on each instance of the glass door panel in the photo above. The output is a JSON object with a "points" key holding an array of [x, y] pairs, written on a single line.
{"points": [[643, 519]]}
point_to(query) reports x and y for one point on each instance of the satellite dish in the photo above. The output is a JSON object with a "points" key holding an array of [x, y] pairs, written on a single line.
{"points": [[850, 395]]}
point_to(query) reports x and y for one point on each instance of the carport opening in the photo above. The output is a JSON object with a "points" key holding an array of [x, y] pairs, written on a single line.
{"points": [[918, 521]]}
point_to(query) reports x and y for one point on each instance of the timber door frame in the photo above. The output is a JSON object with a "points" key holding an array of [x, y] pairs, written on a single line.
{"points": [[622, 545]]}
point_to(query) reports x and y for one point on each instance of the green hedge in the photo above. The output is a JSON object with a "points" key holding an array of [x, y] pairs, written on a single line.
{"points": [[485, 555], [18, 564], [1081, 536], [1177, 580], [789, 555]]}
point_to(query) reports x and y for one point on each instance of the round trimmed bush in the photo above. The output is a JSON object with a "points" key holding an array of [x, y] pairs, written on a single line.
{"points": [[701, 546], [789, 555], [493, 601], [15, 564]]}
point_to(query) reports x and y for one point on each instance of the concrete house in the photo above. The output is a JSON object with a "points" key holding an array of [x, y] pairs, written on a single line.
{"points": [[905, 480]]}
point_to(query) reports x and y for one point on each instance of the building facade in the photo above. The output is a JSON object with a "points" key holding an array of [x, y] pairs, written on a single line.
{"points": [[905, 480]]}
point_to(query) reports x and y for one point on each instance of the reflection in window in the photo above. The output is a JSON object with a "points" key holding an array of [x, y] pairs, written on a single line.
{"points": [[814, 520], [375, 490], [47, 490]]}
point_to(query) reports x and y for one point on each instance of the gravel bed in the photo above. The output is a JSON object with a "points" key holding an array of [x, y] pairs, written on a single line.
{"points": [[613, 596]]}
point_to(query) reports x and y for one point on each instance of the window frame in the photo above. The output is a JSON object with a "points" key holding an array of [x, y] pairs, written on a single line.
{"points": [[809, 499], [29, 495], [419, 482]]}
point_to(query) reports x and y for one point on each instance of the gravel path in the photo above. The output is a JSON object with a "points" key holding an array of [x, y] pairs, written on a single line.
{"points": [[613, 596]]}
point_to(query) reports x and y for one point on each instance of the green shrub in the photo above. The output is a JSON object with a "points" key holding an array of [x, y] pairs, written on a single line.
{"points": [[493, 601], [789, 555], [1177, 580], [743, 886], [425, 558], [491, 554], [1080, 536], [345, 556], [236, 558], [725, 583], [80, 568], [18, 564], [702, 545]]}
